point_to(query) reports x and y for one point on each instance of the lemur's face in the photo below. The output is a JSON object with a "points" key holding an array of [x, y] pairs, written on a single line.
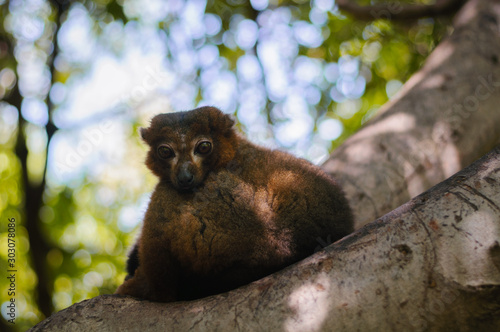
{"points": [[184, 159], [186, 146]]}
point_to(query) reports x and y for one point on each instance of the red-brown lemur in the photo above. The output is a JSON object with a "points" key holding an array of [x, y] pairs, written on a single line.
{"points": [[225, 211]]}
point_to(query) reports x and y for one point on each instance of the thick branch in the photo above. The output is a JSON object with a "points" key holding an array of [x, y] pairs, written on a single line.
{"points": [[396, 11], [397, 273]]}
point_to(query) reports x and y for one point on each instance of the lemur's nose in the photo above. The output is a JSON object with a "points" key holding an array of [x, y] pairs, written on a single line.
{"points": [[185, 178]]}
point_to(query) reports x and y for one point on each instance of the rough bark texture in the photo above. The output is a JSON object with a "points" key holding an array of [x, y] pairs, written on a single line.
{"points": [[433, 264], [445, 117]]}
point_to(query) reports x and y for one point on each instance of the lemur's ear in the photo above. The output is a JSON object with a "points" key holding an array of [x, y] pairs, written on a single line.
{"points": [[144, 132], [219, 121], [231, 120]]}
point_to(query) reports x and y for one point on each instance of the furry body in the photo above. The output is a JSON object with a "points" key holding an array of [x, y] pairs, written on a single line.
{"points": [[246, 212]]}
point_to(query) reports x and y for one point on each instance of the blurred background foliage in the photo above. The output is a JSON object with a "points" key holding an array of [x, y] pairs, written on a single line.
{"points": [[78, 78]]}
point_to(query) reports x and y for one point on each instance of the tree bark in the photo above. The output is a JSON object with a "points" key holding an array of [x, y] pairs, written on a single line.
{"points": [[431, 264]]}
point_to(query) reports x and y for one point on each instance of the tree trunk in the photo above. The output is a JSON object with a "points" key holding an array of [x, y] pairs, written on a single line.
{"points": [[445, 117], [432, 264]]}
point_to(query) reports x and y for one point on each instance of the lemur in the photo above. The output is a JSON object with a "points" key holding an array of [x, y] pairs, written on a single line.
{"points": [[225, 212]]}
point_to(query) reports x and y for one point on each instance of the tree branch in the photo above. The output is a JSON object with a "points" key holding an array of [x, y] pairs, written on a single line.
{"points": [[413, 251], [399, 12]]}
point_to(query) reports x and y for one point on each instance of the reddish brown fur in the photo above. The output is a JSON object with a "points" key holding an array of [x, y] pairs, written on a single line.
{"points": [[253, 211]]}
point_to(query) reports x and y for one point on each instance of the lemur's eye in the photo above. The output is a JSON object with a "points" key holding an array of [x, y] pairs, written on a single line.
{"points": [[165, 152], [204, 148]]}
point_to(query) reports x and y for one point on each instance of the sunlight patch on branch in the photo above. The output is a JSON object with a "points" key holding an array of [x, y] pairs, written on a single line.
{"points": [[310, 305]]}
